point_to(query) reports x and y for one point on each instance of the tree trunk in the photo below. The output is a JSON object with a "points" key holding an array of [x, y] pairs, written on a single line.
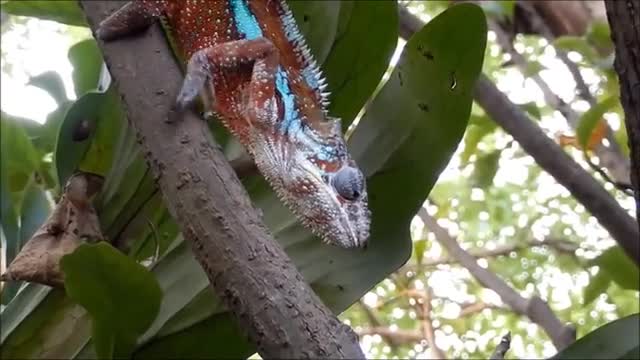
{"points": [[624, 19], [249, 271]]}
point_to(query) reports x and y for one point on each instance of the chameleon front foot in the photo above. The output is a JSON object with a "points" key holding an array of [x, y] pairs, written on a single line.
{"points": [[200, 71]]}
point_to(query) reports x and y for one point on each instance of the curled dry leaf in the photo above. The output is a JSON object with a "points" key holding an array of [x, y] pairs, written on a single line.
{"points": [[72, 222]]}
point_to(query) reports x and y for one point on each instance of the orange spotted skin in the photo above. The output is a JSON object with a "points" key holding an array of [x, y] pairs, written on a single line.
{"points": [[199, 24], [261, 80]]}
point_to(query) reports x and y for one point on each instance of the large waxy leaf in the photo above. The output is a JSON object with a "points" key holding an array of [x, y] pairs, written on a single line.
{"points": [[318, 21], [618, 339], [93, 114], [354, 67], [63, 11], [122, 296], [55, 327], [19, 157], [87, 62]]}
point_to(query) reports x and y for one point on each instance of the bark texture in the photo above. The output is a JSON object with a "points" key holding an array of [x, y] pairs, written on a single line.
{"points": [[624, 19], [249, 271]]}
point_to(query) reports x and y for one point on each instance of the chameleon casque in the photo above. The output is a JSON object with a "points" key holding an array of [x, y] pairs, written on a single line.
{"points": [[253, 69]]}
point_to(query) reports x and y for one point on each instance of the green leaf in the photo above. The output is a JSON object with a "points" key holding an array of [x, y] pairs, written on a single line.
{"points": [[9, 231], [591, 117], [63, 11], [577, 44], [93, 113], [20, 159], [615, 340], [230, 342], [599, 34], [86, 59], [354, 67], [121, 296], [597, 285], [51, 82], [318, 21], [532, 109], [479, 127], [533, 68], [19, 309], [419, 247], [51, 328], [622, 270], [485, 169]]}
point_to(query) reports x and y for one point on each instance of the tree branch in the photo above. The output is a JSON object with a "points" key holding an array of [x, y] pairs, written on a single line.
{"points": [[561, 246], [399, 336], [424, 309], [549, 156], [502, 348], [560, 165], [611, 157], [375, 323], [624, 19], [249, 271], [535, 308]]}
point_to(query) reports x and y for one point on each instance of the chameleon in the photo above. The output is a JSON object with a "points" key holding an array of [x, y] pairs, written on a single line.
{"points": [[247, 61]]}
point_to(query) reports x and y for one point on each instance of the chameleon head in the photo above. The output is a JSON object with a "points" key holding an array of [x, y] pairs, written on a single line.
{"points": [[315, 177], [335, 207]]}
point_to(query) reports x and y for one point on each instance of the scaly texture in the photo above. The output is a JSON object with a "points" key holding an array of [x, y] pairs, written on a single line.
{"points": [[261, 80]]}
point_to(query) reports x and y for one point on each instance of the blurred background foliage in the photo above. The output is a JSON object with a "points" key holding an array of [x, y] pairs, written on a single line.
{"points": [[492, 197]]}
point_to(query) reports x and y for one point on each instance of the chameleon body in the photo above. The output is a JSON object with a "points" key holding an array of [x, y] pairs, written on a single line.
{"points": [[253, 69]]}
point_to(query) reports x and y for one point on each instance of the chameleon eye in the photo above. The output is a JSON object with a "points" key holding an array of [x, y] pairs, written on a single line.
{"points": [[349, 183]]}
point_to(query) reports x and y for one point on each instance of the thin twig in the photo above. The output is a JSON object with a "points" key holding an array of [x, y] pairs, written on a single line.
{"points": [[502, 348], [376, 323], [627, 189], [424, 309]]}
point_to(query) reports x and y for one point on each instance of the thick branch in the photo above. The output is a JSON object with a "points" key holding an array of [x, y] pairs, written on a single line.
{"points": [[535, 308], [549, 156], [624, 19], [249, 271]]}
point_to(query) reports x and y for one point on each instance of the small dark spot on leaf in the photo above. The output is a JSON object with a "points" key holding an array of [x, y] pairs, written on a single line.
{"points": [[426, 53], [424, 107], [400, 78], [305, 18], [81, 131], [340, 287]]}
